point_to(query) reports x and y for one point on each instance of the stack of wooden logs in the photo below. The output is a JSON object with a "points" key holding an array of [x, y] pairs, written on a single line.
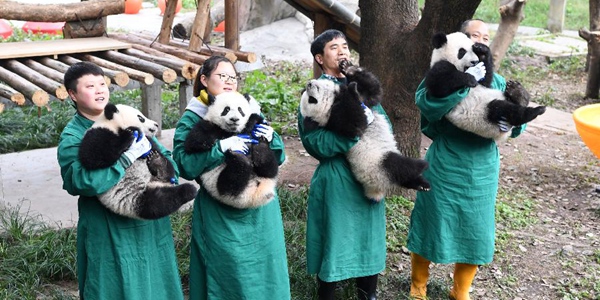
{"points": [[32, 80]]}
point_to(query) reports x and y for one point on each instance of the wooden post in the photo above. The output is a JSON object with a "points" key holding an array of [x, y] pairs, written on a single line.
{"points": [[199, 26], [167, 22], [152, 104], [556, 15], [185, 94], [232, 32], [322, 23]]}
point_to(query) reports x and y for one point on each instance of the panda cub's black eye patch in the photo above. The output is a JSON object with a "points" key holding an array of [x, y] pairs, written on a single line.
{"points": [[241, 112], [461, 53], [141, 118], [225, 111]]}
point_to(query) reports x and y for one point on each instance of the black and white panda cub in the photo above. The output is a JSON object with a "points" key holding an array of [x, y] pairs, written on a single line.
{"points": [[483, 107], [375, 160], [147, 191], [242, 181]]}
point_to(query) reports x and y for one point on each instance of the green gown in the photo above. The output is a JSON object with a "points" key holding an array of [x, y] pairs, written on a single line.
{"points": [[117, 257], [345, 234], [454, 222], [235, 253]]}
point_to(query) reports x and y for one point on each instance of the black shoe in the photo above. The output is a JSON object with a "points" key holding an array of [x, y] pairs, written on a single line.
{"points": [[366, 287]]}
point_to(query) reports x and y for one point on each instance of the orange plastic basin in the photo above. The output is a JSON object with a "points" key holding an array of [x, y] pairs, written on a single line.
{"points": [[587, 122]]}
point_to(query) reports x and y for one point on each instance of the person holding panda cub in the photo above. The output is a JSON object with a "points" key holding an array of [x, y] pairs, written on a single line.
{"points": [[236, 253], [454, 222], [345, 234], [117, 257]]}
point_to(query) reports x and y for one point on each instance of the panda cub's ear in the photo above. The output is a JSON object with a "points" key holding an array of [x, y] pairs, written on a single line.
{"points": [[110, 110], [247, 96], [211, 99], [439, 40]]}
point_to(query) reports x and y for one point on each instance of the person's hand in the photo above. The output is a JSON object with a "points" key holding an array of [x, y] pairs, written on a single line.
{"points": [[477, 71], [237, 143], [263, 130], [504, 125], [140, 147], [368, 113]]}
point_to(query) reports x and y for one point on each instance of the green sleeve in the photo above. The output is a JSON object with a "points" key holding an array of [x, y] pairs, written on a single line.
{"points": [[321, 143], [278, 147], [434, 109], [76, 179]]}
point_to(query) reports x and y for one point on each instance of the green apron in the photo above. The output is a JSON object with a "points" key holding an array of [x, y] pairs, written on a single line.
{"points": [[454, 222], [235, 253], [345, 233], [117, 257]]}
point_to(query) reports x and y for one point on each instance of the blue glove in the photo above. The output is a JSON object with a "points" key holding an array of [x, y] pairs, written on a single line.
{"points": [[477, 71], [504, 125], [140, 147], [263, 130], [368, 113]]}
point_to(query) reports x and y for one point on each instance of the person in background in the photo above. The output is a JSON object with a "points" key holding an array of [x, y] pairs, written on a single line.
{"points": [[345, 235], [117, 257], [235, 253], [454, 222]]}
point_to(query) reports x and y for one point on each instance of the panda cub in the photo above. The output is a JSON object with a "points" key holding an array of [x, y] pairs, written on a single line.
{"points": [[241, 181], [147, 191], [483, 107], [375, 160]]}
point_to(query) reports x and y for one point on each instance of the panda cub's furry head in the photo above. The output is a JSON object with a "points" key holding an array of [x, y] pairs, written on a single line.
{"points": [[456, 48], [231, 110], [123, 117], [317, 99]]}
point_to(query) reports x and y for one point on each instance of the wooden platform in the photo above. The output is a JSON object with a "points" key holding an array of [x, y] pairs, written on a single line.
{"points": [[61, 46]]}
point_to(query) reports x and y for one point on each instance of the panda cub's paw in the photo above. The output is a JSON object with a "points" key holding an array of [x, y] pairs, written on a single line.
{"points": [[516, 93]]}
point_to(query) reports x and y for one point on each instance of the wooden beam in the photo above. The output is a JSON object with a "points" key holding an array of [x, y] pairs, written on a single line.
{"points": [[60, 12], [117, 77], [14, 96], [140, 76], [45, 70], [50, 86], [37, 95], [57, 47], [204, 50], [199, 26], [232, 32], [159, 71], [167, 22], [154, 52], [183, 68]]}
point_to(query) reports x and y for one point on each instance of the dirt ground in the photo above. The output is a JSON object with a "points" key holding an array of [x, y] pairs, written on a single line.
{"points": [[559, 252]]}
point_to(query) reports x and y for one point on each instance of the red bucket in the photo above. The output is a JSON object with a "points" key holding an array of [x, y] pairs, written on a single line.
{"points": [[44, 27], [5, 29]]}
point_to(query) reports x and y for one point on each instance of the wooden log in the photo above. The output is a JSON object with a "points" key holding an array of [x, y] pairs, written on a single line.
{"points": [[47, 84], [232, 31], [181, 53], [165, 74], [117, 77], [213, 50], [140, 76], [167, 22], [14, 96], [200, 22], [192, 72], [44, 70], [181, 67], [84, 28], [37, 95], [60, 12]]}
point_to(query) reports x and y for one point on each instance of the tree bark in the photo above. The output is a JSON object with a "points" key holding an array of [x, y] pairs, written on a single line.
{"points": [[60, 12], [119, 78], [10, 93], [84, 28], [50, 86], [181, 53], [142, 77], [593, 82], [167, 22], [184, 69], [511, 15], [159, 71], [38, 96], [200, 22]]}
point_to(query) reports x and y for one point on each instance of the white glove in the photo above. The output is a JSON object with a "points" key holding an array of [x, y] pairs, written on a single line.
{"points": [[504, 125], [477, 71], [263, 130], [368, 113], [236, 143], [139, 148]]}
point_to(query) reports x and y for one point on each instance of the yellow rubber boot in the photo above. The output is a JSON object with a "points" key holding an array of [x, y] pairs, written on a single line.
{"points": [[463, 278], [418, 276]]}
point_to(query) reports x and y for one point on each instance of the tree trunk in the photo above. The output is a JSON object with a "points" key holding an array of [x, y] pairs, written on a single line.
{"points": [[511, 15], [167, 22], [159, 71], [119, 78], [184, 69], [142, 77], [181, 53], [38, 96], [50, 86], [200, 22], [10, 93], [593, 82], [60, 12]]}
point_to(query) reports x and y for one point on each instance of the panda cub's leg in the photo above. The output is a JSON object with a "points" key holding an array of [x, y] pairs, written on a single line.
{"points": [[161, 199], [236, 174], [514, 114], [406, 171], [264, 160]]}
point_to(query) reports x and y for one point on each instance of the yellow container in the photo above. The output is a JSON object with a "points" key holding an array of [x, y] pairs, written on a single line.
{"points": [[587, 122]]}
